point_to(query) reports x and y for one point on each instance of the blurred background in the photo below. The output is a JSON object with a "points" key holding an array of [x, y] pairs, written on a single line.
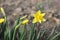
{"points": [[15, 8]]}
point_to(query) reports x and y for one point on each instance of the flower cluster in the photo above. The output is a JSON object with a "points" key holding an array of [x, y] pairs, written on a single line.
{"points": [[38, 17]]}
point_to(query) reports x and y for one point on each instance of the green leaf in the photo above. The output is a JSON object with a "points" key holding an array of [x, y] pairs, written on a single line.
{"points": [[40, 35], [7, 34], [23, 34], [55, 36], [31, 32]]}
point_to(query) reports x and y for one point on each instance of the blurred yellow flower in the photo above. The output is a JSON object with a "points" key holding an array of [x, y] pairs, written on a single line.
{"points": [[38, 17], [2, 10], [2, 20], [25, 21]]}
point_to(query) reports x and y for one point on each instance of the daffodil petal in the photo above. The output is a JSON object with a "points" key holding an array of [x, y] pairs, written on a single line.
{"points": [[25, 21], [43, 14], [2, 20], [43, 19], [39, 21], [34, 20], [38, 12]]}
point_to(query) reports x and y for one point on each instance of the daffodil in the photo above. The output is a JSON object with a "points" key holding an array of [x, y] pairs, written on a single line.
{"points": [[2, 20], [3, 12], [25, 21], [38, 17]]}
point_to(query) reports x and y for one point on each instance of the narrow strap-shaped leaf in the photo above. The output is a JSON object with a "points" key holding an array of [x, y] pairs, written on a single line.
{"points": [[23, 34], [40, 34], [31, 32], [6, 34], [53, 38], [16, 26]]}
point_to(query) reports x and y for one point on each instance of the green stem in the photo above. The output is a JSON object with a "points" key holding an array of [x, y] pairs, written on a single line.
{"points": [[13, 35], [15, 30]]}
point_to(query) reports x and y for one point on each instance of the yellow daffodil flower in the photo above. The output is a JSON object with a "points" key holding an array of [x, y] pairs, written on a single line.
{"points": [[3, 12], [25, 21], [2, 20], [38, 17]]}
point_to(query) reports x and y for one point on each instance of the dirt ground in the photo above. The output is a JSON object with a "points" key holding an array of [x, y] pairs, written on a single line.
{"points": [[15, 8]]}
